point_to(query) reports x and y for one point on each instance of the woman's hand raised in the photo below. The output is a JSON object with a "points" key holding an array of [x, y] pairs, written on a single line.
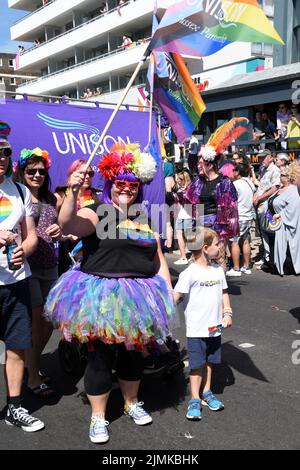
{"points": [[76, 180]]}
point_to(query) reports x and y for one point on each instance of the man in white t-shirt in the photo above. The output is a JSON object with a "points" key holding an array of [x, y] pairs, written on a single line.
{"points": [[268, 185], [18, 237], [245, 189]]}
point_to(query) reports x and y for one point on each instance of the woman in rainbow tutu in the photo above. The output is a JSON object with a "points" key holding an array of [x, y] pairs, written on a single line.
{"points": [[119, 299]]}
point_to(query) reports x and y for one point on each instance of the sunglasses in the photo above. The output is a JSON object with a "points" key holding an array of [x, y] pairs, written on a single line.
{"points": [[34, 171], [132, 185], [91, 174], [5, 152]]}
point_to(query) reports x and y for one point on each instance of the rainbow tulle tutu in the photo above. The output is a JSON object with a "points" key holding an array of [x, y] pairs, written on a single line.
{"points": [[134, 311]]}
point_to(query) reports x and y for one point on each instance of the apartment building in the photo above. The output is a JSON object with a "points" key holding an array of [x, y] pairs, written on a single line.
{"points": [[78, 48], [8, 80]]}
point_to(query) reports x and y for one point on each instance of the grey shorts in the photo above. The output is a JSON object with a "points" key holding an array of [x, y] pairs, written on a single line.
{"points": [[245, 227], [40, 284], [183, 224]]}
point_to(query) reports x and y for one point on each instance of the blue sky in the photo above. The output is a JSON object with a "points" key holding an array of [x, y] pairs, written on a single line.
{"points": [[7, 17]]}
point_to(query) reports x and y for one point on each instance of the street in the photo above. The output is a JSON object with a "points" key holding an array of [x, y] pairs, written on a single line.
{"points": [[257, 381]]}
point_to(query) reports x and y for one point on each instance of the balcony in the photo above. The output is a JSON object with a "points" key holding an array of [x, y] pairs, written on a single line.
{"points": [[137, 15], [26, 5], [27, 27], [98, 68]]}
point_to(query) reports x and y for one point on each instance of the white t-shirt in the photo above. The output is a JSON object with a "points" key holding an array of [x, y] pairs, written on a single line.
{"points": [[203, 296], [245, 189], [12, 212]]}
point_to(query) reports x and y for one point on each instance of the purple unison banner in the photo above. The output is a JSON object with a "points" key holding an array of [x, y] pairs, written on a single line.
{"points": [[69, 132]]}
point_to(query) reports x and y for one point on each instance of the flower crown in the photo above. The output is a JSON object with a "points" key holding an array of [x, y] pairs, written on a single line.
{"points": [[123, 159], [26, 154]]}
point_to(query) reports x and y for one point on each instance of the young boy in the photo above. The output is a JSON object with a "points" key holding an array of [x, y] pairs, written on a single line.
{"points": [[204, 287]]}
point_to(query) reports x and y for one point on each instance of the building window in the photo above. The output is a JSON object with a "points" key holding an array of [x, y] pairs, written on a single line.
{"points": [[10, 62], [12, 81], [1, 62], [262, 49], [296, 45], [2, 81]]}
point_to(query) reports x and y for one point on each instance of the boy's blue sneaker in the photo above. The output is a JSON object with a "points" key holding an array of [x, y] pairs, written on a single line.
{"points": [[194, 409], [208, 399]]}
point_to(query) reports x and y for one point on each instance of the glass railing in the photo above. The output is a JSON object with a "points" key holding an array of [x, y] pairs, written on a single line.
{"points": [[34, 12], [52, 1], [100, 57], [76, 27]]}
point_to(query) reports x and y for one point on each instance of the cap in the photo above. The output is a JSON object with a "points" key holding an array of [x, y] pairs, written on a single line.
{"points": [[265, 153], [4, 133], [283, 156]]}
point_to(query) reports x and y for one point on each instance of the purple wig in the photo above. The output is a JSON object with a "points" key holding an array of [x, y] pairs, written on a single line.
{"points": [[106, 195]]}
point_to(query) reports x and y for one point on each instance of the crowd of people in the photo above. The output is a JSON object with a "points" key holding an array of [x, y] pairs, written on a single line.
{"points": [[88, 93], [283, 126], [117, 297], [263, 199]]}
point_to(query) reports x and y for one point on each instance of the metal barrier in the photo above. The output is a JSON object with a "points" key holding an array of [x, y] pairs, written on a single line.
{"points": [[64, 99]]}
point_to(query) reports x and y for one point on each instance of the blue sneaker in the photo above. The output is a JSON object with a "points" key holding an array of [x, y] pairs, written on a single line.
{"points": [[194, 409], [98, 430], [208, 399]]}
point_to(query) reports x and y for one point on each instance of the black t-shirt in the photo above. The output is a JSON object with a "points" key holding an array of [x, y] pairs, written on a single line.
{"points": [[120, 247], [208, 196]]}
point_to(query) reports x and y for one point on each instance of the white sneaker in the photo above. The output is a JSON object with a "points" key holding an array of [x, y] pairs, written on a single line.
{"points": [[246, 270], [181, 261], [233, 273], [98, 430], [138, 414], [259, 263]]}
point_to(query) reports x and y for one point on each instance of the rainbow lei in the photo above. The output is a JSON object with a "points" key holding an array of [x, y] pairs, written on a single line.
{"points": [[26, 154], [85, 200]]}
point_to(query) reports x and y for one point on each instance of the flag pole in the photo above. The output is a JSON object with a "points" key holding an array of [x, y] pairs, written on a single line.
{"points": [[150, 122], [112, 117], [151, 100]]}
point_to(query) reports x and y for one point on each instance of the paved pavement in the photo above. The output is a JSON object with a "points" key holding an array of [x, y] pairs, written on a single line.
{"points": [[257, 381]]}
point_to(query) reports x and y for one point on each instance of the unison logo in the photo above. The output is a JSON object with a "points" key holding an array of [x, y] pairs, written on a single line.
{"points": [[71, 137]]}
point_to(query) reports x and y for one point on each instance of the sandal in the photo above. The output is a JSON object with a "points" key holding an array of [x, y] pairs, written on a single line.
{"points": [[43, 391], [47, 380]]}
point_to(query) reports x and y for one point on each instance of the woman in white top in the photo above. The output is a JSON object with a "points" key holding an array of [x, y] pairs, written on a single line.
{"points": [[184, 218]]}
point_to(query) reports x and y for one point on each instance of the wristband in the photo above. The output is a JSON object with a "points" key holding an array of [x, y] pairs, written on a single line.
{"points": [[227, 315], [227, 310]]}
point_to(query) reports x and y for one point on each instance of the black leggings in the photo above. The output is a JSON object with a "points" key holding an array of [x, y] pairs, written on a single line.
{"points": [[98, 372]]}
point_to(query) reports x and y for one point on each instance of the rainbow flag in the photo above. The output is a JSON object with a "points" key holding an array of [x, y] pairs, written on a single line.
{"points": [[203, 27], [176, 94], [174, 91]]}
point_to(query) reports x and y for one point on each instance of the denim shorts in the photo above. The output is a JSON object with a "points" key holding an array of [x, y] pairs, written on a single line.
{"points": [[15, 315], [203, 350]]}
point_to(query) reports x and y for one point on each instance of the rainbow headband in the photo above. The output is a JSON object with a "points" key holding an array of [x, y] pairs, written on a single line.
{"points": [[26, 154], [123, 159]]}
